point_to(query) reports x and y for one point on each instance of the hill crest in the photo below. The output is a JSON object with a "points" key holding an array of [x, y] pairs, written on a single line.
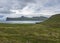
{"points": [[53, 21]]}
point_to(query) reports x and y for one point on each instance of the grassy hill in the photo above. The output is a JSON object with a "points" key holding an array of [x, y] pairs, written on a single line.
{"points": [[53, 21], [46, 32]]}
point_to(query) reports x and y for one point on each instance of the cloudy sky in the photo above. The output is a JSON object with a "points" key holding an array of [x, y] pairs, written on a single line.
{"points": [[17, 8]]}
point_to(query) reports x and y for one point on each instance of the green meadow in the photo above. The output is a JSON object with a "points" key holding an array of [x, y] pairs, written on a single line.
{"points": [[44, 32]]}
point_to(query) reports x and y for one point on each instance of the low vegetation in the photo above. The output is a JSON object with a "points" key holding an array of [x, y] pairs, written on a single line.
{"points": [[46, 32]]}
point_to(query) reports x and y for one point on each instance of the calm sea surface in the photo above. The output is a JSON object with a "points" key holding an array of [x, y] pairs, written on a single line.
{"points": [[20, 22]]}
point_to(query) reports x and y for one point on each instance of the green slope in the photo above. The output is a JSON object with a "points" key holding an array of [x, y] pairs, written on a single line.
{"points": [[53, 21], [46, 32]]}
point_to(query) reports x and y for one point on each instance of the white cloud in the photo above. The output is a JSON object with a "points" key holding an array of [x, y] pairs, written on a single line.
{"points": [[29, 7]]}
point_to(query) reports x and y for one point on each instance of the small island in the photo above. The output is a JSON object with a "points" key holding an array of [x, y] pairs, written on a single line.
{"points": [[23, 18]]}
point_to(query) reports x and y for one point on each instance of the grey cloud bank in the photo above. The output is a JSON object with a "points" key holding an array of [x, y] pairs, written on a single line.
{"points": [[29, 7]]}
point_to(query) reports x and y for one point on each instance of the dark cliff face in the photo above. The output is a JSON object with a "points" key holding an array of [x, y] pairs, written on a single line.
{"points": [[26, 19]]}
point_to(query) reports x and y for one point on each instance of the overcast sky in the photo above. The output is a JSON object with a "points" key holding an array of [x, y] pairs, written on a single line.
{"points": [[16, 8]]}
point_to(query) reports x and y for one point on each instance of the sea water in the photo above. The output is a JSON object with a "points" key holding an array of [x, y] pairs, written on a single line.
{"points": [[21, 22]]}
